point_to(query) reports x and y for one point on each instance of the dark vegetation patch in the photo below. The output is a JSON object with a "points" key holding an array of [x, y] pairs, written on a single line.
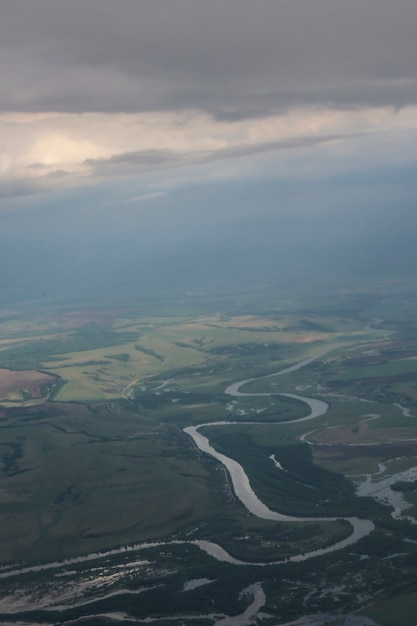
{"points": [[158, 400], [404, 486], [304, 324], [12, 457], [70, 496], [271, 541], [240, 349], [123, 357], [340, 383], [183, 344], [89, 337], [379, 359], [303, 489], [149, 352]]}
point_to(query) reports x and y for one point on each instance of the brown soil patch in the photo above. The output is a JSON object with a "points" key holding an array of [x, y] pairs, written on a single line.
{"points": [[30, 380]]}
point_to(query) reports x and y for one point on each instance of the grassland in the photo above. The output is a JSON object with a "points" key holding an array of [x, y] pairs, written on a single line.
{"points": [[100, 459]]}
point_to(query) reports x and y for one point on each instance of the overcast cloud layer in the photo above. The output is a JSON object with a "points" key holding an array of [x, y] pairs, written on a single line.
{"points": [[129, 104], [93, 87], [230, 58]]}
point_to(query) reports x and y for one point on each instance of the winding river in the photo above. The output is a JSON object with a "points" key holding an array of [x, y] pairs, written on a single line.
{"points": [[242, 488]]}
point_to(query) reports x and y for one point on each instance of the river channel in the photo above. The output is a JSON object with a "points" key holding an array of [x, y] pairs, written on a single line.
{"points": [[243, 490], [241, 485]]}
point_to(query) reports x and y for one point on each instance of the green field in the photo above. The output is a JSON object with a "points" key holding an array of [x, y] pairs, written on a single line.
{"points": [[101, 461]]}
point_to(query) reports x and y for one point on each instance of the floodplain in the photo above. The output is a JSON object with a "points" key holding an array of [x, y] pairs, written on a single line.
{"points": [[107, 507]]}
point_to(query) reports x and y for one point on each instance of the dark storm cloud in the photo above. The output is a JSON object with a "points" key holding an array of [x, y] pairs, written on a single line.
{"points": [[233, 58]]}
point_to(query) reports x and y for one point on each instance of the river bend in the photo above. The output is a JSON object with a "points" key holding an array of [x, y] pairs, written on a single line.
{"points": [[243, 490], [241, 485]]}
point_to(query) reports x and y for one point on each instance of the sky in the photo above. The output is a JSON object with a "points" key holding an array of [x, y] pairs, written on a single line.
{"points": [[144, 132]]}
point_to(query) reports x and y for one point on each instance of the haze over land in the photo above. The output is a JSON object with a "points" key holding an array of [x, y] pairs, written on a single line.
{"points": [[192, 146], [208, 336]]}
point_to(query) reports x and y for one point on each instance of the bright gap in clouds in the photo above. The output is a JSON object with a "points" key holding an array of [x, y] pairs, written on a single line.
{"points": [[50, 150]]}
